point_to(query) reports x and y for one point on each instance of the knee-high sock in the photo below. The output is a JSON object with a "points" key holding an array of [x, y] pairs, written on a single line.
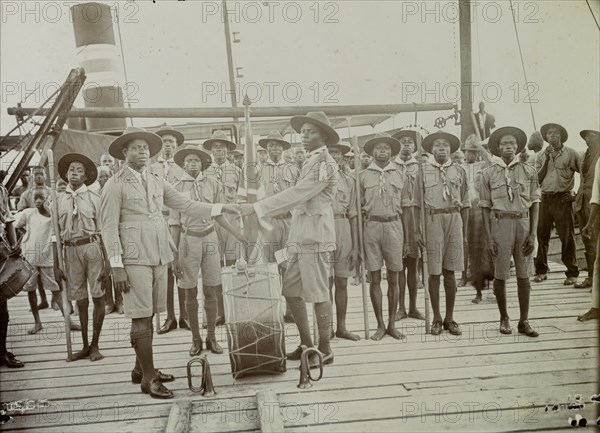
{"points": [[523, 289], [323, 311], [210, 307], [450, 289], [170, 295], [191, 308], [298, 309], [141, 341], [181, 298], [220, 303], [434, 296], [500, 292], [82, 308], [98, 319]]}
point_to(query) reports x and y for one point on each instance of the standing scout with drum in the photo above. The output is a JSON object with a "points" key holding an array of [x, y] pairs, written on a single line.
{"points": [[312, 231], [386, 201], [198, 246], [166, 168], [345, 256], [408, 166], [78, 209], [447, 205], [510, 192], [137, 238]]}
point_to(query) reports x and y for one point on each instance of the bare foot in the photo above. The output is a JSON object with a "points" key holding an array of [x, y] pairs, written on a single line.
{"points": [[391, 330], [476, 299], [95, 354], [378, 334], [401, 315], [37, 327], [75, 326], [342, 333], [83, 353]]}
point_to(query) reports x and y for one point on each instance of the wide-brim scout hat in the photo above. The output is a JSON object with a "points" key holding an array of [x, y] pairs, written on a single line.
{"points": [[219, 135], [168, 130], [349, 154], [274, 135], [319, 119], [342, 146], [408, 133], [91, 171], [564, 135], [507, 130], [584, 132], [535, 140], [131, 133], [427, 142], [382, 138], [189, 149]]}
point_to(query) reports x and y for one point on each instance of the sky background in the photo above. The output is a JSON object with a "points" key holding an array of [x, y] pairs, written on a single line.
{"points": [[353, 52]]}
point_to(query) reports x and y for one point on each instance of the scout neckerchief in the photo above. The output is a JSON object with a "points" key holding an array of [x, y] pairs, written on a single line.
{"points": [[446, 191], [166, 163], [74, 196], [196, 185], [276, 167], [219, 170], [507, 178], [375, 167], [323, 173], [404, 164]]}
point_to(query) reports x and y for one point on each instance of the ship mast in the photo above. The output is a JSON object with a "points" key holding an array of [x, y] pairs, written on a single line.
{"points": [[466, 79]]}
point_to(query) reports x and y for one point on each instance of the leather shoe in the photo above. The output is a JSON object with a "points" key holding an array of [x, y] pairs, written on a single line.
{"points": [[10, 361], [295, 355], [452, 328], [156, 389], [570, 281], [436, 327], [196, 348], [184, 324], [585, 284], [213, 346], [526, 329], [592, 313], [137, 375], [505, 326], [540, 277], [169, 325]]}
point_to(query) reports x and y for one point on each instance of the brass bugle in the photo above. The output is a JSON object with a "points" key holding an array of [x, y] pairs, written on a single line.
{"points": [[305, 377], [206, 387]]}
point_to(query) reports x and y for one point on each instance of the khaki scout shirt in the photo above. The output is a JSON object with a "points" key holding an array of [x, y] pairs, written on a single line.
{"points": [[521, 178], [384, 191], [344, 201], [203, 189], [77, 213], [134, 231], [443, 189], [226, 172], [167, 169], [562, 166], [277, 177], [310, 203]]}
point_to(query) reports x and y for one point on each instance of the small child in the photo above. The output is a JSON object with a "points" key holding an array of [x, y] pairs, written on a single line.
{"points": [[38, 251]]}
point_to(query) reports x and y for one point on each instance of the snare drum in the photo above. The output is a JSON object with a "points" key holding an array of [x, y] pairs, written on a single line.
{"points": [[15, 272]]}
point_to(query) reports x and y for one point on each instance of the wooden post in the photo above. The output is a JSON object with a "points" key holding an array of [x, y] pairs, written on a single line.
{"points": [[269, 412], [466, 78], [423, 228], [179, 417]]}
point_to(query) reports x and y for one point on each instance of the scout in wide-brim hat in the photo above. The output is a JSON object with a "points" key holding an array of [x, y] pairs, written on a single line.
{"points": [[494, 139], [91, 172], [382, 138], [319, 119], [168, 130], [563, 132], [189, 149], [427, 142], [342, 146], [408, 133], [219, 135], [276, 136], [131, 133], [583, 133]]}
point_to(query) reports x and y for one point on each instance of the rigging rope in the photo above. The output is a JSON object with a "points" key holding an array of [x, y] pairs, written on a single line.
{"points": [[523, 65], [592, 12]]}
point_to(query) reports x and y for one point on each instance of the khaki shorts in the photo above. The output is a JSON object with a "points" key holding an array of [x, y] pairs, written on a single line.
{"points": [[342, 256], [199, 254], [384, 242], [275, 239], [83, 265], [444, 243], [307, 274], [510, 235], [48, 281], [148, 292]]}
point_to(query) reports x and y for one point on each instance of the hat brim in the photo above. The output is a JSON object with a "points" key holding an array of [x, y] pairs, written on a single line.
{"points": [[564, 135], [341, 148], [91, 172], [507, 130], [585, 131], [178, 135], [154, 143], [209, 143], [179, 157], [298, 121], [408, 133], [394, 144], [427, 142], [263, 143]]}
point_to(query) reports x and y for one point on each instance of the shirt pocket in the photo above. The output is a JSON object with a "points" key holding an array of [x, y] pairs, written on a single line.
{"points": [[395, 193], [131, 236], [312, 226], [498, 189], [524, 188]]}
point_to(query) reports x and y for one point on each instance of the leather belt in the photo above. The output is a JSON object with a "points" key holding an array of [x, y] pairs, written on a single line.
{"points": [[135, 217], [80, 241], [340, 216], [384, 219], [447, 210], [511, 215], [283, 216], [199, 234]]}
